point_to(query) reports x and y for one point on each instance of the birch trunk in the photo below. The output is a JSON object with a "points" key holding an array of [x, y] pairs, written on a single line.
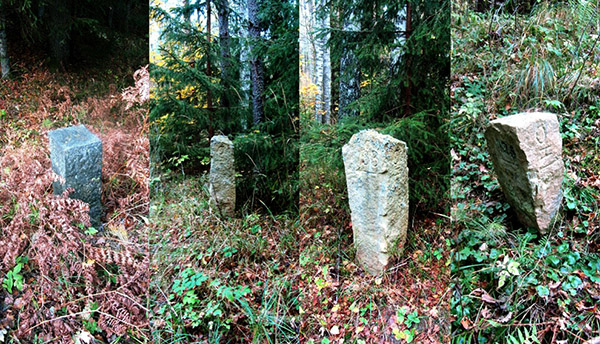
{"points": [[323, 65], [307, 67], [349, 68], [400, 25], [223, 13]]}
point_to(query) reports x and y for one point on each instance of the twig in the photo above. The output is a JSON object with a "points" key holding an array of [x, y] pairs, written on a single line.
{"points": [[108, 292], [81, 313]]}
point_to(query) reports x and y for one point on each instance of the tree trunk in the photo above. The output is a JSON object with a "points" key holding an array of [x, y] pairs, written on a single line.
{"points": [[59, 28], [187, 14], [400, 26], [307, 14], [5, 67], [257, 68], [408, 88], [224, 43], [323, 67], [209, 104], [242, 36], [349, 67]]}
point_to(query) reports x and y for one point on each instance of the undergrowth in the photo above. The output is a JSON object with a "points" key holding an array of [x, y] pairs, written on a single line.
{"points": [[219, 280], [62, 280]]}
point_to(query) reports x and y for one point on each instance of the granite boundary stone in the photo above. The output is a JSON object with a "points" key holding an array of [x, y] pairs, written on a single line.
{"points": [[76, 156], [222, 175], [526, 152], [377, 181]]}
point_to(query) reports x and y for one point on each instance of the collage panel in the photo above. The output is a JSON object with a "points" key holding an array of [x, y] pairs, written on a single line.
{"points": [[312, 171], [374, 171], [525, 185], [73, 171], [224, 178]]}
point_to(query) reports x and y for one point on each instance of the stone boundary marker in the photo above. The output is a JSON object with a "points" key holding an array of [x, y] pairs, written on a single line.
{"points": [[221, 185], [526, 153], [76, 156], [377, 181]]}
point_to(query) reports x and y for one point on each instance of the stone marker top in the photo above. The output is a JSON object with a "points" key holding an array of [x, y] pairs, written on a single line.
{"points": [[220, 139], [537, 132], [72, 137], [380, 148], [75, 151], [525, 119]]}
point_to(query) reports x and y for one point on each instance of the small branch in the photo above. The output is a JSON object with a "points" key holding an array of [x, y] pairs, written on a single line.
{"points": [[81, 313]]}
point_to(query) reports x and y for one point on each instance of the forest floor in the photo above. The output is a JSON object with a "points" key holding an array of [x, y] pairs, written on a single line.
{"points": [[62, 280], [220, 279], [340, 302], [513, 284], [264, 278]]}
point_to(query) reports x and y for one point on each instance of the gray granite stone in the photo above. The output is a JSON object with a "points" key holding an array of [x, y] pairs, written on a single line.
{"points": [[222, 175], [377, 180], [76, 156]]}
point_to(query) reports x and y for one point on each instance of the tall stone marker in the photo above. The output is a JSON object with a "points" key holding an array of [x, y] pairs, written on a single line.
{"points": [[377, 181], [526, 153], [222, 175], [76, 156]]}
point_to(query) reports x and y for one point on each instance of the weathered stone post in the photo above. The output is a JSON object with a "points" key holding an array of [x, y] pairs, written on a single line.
{"points": [[76, 156], [377, 181], [526, 153], [222, 175]]}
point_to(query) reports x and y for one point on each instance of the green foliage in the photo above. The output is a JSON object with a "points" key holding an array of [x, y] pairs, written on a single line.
{"points": [[428, 161], [224, 280], [14, 277], [206, 304], [402, 73], [538, 60], [268, 168], [524, 336], [515, 271]]}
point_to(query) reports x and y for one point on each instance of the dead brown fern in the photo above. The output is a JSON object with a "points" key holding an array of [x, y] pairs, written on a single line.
{"points": [[67, 270]]}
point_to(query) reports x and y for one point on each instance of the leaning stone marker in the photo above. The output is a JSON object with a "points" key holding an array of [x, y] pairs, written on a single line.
{"points": [[76, 156], [377, 181], [526, 153], [222, 175]]}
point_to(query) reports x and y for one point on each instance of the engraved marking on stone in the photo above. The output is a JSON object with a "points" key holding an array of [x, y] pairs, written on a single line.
{"points": [[540, 133]]}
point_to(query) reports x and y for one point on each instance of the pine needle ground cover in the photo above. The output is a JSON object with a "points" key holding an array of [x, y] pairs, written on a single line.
{"points": [[339, 301], [62, 280], [511, 284], [220, 280]]}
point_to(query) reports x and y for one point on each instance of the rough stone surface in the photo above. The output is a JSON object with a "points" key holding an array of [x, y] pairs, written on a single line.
{"points": [[76, 156], [377, 181], [222, 175], [526, 153]]}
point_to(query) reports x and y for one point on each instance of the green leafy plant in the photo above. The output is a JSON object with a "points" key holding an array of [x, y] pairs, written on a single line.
{"points": [[14, 277], [524, 336]]}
